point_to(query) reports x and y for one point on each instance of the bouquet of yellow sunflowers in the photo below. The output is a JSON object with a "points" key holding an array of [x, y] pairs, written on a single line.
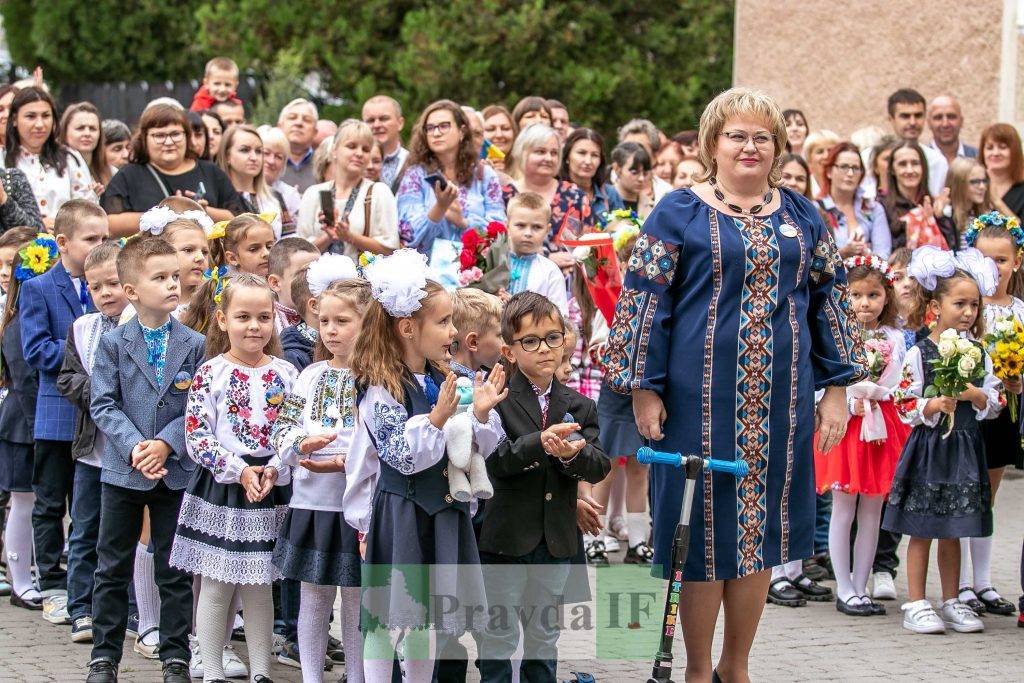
{"points": [[1006, 348]]}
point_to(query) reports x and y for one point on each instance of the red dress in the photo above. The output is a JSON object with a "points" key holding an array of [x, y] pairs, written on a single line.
{"points": [[855, 466]]}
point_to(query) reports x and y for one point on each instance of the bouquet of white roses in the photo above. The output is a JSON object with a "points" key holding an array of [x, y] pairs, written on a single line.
{"points": [[959, 363]]}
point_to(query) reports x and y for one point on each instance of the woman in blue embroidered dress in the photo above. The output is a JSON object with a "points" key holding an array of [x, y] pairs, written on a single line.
{"points": [[746, 274]]}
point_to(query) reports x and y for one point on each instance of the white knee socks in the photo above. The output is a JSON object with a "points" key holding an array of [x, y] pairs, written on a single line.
{"points": [[215, 599], [844, 507], [637, 526], [316, 603], [19, 544], [147, 597]]}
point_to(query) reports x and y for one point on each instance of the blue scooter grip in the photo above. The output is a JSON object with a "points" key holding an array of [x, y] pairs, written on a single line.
{"points": [[647, 456]]}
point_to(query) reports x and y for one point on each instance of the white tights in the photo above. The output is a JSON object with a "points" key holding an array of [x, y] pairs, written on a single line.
{"points": [[378, 669], [868, 514], [317, 603], [19, 544], [215, 598]]}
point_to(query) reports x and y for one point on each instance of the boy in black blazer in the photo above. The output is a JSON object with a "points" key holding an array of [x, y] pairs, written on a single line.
{"points": [[552, 445]]}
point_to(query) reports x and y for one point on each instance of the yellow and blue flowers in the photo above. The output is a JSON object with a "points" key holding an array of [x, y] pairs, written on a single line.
{"points": [[37, 257]]}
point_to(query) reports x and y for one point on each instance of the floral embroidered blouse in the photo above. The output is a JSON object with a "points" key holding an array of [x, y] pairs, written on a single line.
{"points": [[481, 203], [321, 401], [231, 412], [567, 196], [53, 189]]}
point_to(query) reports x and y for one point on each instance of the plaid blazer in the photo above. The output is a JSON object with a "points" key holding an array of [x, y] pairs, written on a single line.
{"points": [[47, 305]]}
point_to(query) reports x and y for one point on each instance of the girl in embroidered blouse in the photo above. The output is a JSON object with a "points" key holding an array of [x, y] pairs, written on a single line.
{"points": [[312, 435], [396, 496], [991, 236], [233, 507], [55, 173], [941, 486]]}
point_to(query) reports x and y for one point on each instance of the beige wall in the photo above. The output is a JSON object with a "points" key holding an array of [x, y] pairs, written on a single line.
{"points": [[838, 61]]}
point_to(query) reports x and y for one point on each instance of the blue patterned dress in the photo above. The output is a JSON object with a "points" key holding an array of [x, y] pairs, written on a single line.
{"points": [[735, 323]]}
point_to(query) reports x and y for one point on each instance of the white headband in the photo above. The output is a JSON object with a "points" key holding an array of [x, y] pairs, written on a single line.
{"points": [[156, 219]]}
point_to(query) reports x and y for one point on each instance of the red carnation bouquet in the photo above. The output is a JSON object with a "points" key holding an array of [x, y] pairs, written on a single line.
{"points": [[483, 262]]}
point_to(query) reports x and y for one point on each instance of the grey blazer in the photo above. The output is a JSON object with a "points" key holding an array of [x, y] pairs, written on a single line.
{"points": [[129, 407]]}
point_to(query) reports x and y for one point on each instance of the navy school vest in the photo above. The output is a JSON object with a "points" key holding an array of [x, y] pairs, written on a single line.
{"points": [[429, 488]]}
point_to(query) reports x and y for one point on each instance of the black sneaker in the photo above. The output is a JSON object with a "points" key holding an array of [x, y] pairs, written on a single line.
{"points": [[335, 651], [596, 553], [641, 553], [132, 629], [81, 630], [176, 671], [102, 671], [782, 592]]}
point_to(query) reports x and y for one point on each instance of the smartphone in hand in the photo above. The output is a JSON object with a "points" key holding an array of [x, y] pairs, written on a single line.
{"points": [[327, 205], [437, 180]]}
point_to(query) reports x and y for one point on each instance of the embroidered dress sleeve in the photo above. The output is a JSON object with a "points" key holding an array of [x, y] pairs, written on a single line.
{"points": [[908, 395], [636, 356], [992, 387], [361, 471], [837, 354], [494, 206], [408, 444], [487, 435], [201, 416], [415, 227], [289, 427], [277, 382]]}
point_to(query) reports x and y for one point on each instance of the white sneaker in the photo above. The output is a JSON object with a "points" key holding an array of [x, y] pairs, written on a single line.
{"points": [[920, 617], [885, 587], [195, 665], [233, 666], [960, 617], [611, 544], [55, 609]]}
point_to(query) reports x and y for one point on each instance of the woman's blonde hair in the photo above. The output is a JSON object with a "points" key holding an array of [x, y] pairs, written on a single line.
{"points": [[349, 128], [958, 181], [356, 293], [262, 191], [217, 341], [274, 138], [531, 137], [740, 102], [376, 357]]}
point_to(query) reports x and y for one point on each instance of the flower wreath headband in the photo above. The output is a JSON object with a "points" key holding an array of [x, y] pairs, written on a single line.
{"points": [[37, 257], [873, 262], [994, 219]]}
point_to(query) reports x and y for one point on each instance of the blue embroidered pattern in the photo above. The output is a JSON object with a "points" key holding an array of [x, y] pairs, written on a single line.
{"points": [[156, 347], [626, 353], [654, 259], [389, 433], [519, 272]]}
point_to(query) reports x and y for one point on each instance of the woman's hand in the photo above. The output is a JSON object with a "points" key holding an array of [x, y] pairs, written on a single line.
{"points": [[853, 248], [649, 412], [249, 480], [858, 408], [830, 418], [336, 464], [975, 395], [454, 215], [489, 392], [446, 196], [447, 403], [267, 481], [941, 202]]}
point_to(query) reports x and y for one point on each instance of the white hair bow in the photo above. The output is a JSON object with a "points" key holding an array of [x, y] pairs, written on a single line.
{"points": [[327, 269], [399, 281], [156, 219], [982, 269], [928, 263]]}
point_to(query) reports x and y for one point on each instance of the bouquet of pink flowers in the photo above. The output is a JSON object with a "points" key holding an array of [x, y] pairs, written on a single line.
{"points": [[878, 352]]}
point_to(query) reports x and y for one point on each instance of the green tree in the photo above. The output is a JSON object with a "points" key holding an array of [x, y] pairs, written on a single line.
{"points": [[608, 61], [104, 40]]}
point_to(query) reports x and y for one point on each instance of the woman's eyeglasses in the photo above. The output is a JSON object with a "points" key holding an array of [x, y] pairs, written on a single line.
{"points": [[162, 138], [439, 128]]}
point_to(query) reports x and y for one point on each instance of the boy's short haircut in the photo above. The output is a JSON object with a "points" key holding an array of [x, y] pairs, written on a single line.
{"points": [[17, 237], [282, 252], [300, 293], [132, 259], [221, 64], [531, 201], [527, 305], [73, 212], [474, 310], [102, 253]]}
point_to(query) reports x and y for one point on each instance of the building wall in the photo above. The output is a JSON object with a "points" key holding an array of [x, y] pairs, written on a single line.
{"points": [[838, 61]]}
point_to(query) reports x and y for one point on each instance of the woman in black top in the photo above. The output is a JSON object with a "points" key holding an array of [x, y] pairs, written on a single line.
{"points": [[1000, 154], [164, 165]]}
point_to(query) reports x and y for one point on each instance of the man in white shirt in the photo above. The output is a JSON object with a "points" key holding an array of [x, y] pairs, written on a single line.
{"points": [[907, 117], [384, 116], [945, 121]]}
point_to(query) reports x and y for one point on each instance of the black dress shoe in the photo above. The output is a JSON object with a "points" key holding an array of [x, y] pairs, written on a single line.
{"points": [[262, 679], [782, 592], [853, 610], [101, 671], [976, 605], [812, 590], [999, 605], [176, 671], [877, 608], [715, 678], [26, 603]]}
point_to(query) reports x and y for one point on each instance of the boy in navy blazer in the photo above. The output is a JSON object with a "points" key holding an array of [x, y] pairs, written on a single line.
{"points": [[529, 534], [140, 384], [48, 305]]}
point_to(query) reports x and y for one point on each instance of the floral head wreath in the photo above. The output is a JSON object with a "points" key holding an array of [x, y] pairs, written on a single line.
{"points": [[398, 281], [873, 262], [994, 219], [219, 276], [156, 219], [37, 257]]}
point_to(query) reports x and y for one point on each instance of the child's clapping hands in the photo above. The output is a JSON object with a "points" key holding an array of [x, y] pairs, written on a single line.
{"points": [[487, 393]]}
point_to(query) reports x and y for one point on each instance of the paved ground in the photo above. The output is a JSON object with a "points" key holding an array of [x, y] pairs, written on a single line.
{"points": [[812, 643]]}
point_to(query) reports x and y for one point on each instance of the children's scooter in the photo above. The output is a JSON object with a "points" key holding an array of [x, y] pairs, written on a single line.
{"points": [[692, 465]]}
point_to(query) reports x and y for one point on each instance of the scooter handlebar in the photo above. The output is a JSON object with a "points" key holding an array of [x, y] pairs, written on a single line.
{"points": [[647, 456]]}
